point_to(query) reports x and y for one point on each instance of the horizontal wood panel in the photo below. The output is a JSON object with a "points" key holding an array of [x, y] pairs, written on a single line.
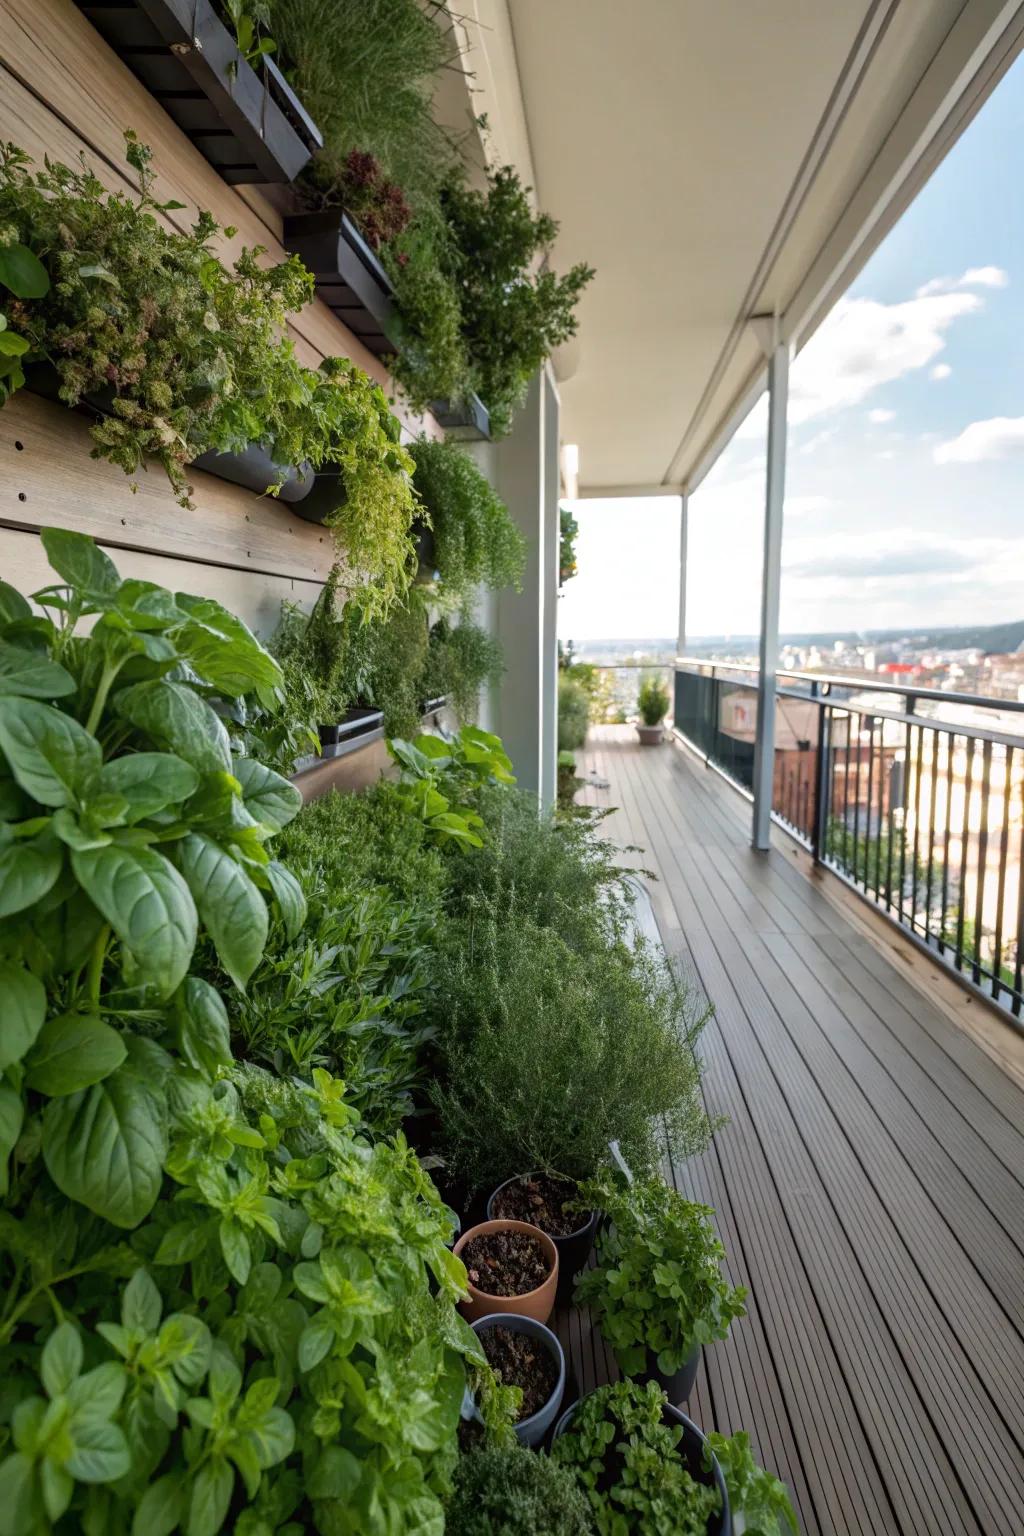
{"points": [[256, 598], [47, 479], [55, 55]]}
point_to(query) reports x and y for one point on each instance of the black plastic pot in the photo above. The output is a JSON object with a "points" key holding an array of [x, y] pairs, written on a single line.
{"points": [[679, 1385], [426, 553], [469, 419], [573, 1249], [326, 495], [431, 706], [691, 1448], [247, 122], [251, 467], [349, 276]]}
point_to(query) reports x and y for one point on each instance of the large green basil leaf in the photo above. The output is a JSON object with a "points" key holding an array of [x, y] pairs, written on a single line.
{"points": [[290, 897], [105, 1146], [224, 651], [22, 1011], [31, 676], [231, 907], [12, 604], [29, 867], [270, 798], [204, 1035], [176, 717], [80, 561], [11, 1115], [22, 272], [50, 755], [211, 1498], [149, 781], [148, 905], [73, 1051]]}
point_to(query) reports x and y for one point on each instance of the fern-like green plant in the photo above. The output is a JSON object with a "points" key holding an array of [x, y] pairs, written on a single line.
{"points": [[476, 542]]}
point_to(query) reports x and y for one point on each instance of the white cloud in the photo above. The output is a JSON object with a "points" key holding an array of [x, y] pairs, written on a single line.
{"points": [[940, 371], [880, 416], [974, 277], [901, 554], [817, 441], [1001, 437], [864, 344]]}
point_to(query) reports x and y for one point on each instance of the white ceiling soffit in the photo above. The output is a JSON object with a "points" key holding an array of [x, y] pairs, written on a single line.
{"points": [[715, 159]]}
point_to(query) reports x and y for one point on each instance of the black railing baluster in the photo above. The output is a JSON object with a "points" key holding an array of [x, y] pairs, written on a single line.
{"points": [[933, 774], [903, 822], [979, 899], [917, 835], [964, 843], [867, 807], [950, 751], [1018, 959], [822, 783], [1004, 848], [856, 807], [880, 818], [846, 791]]}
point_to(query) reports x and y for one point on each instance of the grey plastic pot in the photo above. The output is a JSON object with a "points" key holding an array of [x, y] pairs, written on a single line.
{"points": [[573, 1249], [691, 1448], [531, 1431]]}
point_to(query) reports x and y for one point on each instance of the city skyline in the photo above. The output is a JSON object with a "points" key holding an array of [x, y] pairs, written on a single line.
{"points": [[905, 450]]}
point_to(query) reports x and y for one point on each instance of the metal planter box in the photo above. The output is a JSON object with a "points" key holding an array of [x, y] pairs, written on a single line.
{"points": [[349, 276]]}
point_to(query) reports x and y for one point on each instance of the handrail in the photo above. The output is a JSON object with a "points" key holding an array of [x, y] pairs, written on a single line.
{"points": [[865, 684]]}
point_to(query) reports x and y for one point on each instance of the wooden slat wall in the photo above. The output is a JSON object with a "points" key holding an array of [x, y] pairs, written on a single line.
{"points": [[63, 92]]}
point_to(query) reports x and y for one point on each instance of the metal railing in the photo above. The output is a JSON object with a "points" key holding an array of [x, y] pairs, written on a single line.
{"points": [[913, 796]]}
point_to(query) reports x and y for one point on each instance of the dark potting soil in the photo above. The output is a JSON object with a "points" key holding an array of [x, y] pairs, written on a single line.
{"points": [[518, 1360], [505, 1263], [541, 1200]]}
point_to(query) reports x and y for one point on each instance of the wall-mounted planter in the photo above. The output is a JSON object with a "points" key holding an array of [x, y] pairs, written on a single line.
{"points": [[248, 123], [325, 495], [467, 420], [433, 706], [349, 276], [250, 467], [350, 732]]}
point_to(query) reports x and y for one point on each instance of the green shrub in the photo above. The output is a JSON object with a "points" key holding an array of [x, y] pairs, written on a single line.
{"points": [[515, 1492], [476, 542], [384, 662], [568, 528], [549, 1052], [573, 713], [624, 1457], [191, 356], [461, 660], [657, 1284], [652, 701], [758, 1503]]}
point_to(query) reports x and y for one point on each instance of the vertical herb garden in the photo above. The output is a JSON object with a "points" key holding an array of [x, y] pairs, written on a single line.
{"points": [[312, 1116]]}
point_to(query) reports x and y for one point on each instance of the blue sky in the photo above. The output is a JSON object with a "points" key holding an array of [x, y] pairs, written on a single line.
{"points": [[905, 478]]}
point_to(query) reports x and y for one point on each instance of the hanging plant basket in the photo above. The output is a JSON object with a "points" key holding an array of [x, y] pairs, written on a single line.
{"points": [[467, 420], [250, 467], [247, 122], [349, 276]]}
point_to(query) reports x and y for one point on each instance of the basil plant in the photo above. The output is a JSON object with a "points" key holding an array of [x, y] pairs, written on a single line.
{"points": [[126, 825]]}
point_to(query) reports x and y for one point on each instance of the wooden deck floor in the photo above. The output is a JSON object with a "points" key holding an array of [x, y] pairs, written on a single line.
{"points": [[869, 1184]]}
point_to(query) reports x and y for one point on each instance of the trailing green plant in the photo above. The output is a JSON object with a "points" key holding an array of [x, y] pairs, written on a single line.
{"points": [[652, 701], [549, 1051], [178, 355], [573, 713], [311, 651], [625, 1457], [657, 1287], [758, 1502], [515, 1492], [461, 660], [476, 542], [437, 771], [384, 660], [515, 310], [568, 528]]}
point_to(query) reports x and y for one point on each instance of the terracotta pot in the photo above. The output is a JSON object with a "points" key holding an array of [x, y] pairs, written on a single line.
{"points": [[650, 735], [538, 1304]]}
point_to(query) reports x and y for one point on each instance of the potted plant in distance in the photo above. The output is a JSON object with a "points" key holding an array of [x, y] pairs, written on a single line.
{"points": [[652, 702], [643, 1464], [524, 1353], [511, 1266], [550, 1202], [657, 1290]]}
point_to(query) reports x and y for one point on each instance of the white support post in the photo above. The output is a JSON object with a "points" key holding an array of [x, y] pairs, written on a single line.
{"points": [[771, 574], [684, 512]]}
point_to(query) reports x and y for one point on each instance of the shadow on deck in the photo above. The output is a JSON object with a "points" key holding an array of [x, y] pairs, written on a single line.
{"points": [[868, 1183]]}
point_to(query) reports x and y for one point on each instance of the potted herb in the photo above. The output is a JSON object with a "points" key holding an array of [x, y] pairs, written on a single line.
{"points": [[657, 1291], [652, 702], [568, 783], [525, 1354], [550, 1202], [643, 1464], [462, 658], [512, 1491], [224, 92], [511, 1266]]}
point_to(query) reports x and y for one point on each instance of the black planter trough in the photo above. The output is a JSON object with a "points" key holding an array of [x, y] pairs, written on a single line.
{"points": [[690, 1449], [349, 276], [247, 122], [467, 420], [348, 733]]}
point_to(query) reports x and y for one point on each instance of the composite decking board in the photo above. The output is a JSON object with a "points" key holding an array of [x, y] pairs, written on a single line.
{"points": [[847, 1487], [813, 997], [926, 1491], [883, 1234]]}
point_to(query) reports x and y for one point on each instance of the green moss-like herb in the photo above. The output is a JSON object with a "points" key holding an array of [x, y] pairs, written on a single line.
{"points": [[515, 1492], [475, 540]]}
